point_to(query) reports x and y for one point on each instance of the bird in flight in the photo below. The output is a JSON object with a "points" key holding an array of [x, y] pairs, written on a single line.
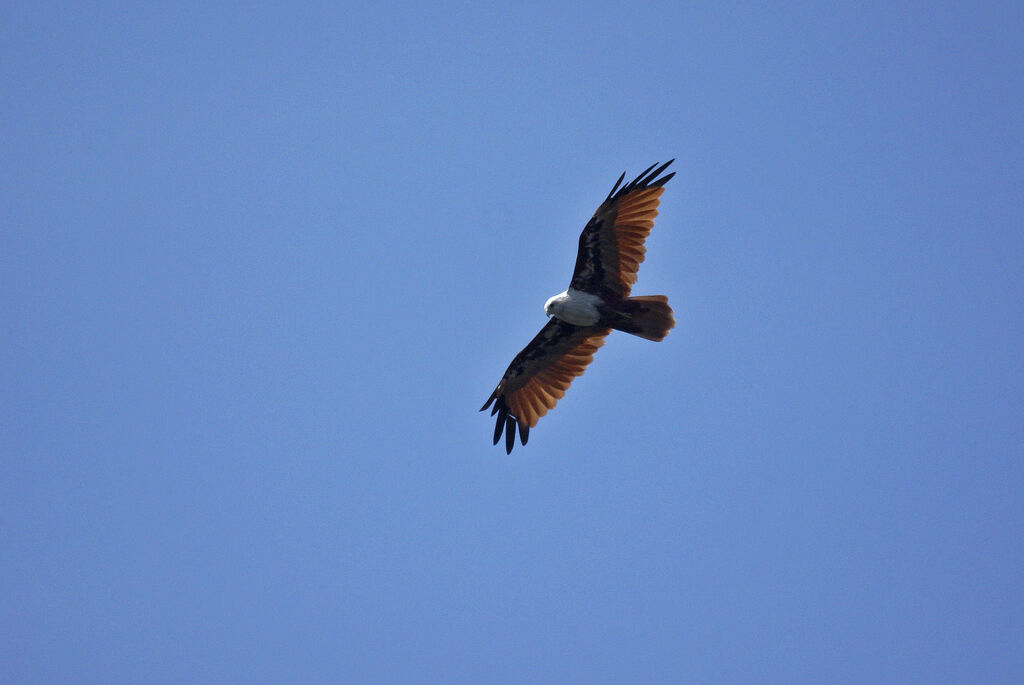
{"points": [[597, 300]]}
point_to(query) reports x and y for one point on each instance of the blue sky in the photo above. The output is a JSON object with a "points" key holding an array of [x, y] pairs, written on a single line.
{"points": [[261, 265]]}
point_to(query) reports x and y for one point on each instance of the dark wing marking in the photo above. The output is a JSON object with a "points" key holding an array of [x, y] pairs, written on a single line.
{"points": [[612, 243], [539, 376]]}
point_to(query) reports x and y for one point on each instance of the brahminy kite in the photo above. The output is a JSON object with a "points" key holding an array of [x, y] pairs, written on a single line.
{"points": [[597, 300]]}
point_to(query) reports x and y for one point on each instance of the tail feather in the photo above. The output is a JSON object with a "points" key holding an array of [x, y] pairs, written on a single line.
{"points": [[647, 316]]}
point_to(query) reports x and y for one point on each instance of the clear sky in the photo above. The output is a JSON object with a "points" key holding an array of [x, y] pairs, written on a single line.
{"points": [[261, 264]]}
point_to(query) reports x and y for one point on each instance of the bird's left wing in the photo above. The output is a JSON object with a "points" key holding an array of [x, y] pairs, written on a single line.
{"points": [[539, 376], [612, 243]]}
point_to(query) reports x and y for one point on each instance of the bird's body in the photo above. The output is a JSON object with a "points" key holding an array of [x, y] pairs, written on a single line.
{"points": [[575, 307], [597, 300]]}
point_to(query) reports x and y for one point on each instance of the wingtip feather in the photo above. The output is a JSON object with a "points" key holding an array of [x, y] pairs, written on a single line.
{"points": [[616, 186], [510, 434], [654, 174], [499, 425], [663, 180], [648, 178]]}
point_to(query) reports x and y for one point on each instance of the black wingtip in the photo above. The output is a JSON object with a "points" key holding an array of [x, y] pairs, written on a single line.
{"points": [[616, 186], [499, 425], [524, 433], [648, 178], [510, 434], [488, 403], [663, 180], [637, 181]]}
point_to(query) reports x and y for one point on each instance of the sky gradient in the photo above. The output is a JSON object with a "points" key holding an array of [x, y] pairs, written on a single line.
{"points": [[260, 266]]}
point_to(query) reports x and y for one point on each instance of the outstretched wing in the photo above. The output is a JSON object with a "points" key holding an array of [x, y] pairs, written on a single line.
{"points": [[539, 376], [612, 243]]}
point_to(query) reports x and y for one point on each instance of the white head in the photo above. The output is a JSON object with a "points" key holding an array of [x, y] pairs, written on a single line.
{"points": [[554, 305], [575, 307]]}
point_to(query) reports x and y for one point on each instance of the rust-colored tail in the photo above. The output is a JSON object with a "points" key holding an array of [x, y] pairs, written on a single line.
{"points": [[647, 316]]}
